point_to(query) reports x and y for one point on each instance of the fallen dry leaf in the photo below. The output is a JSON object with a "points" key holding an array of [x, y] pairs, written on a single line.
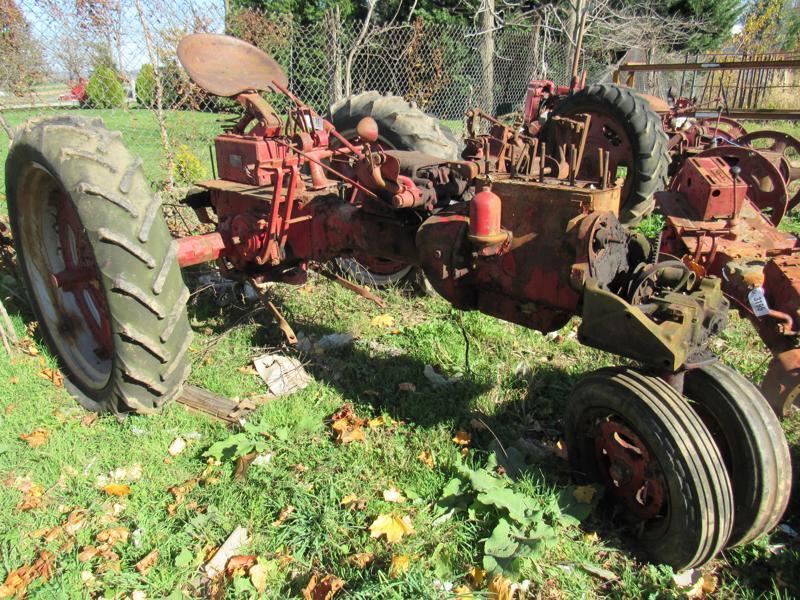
{"points": [[89, 419], [427, 458], [393, 495], [240, 564], [322, 589], [476, 576], [117, 489], [53, 375], [87, 553], [243, 464], [376, 422], [113, 535], [361, 560], [406, 386], [32, 497], [284, 514], [392, 526], [36, 438], [584, 493], [177, 446], [383, 320], [147, 562], [18, 580], [75, 520], [501, 588], [258, 577], [400, 564], [349, 499], [463, 592], [462, 438], [347, 425]]}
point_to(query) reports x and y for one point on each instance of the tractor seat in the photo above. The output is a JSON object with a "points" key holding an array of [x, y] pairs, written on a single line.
{"points": [[227, 66]]}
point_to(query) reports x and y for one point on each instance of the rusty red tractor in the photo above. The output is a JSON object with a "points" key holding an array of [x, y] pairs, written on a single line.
{"points": [[722, 191], [685, 446]]}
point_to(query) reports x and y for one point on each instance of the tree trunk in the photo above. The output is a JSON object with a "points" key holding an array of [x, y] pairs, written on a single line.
{"points": [[333, 18], [486, 96]]}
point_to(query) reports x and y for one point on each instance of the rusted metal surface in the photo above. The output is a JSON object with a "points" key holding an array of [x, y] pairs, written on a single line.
{"points": [[629, 470], [517, 230], [227, 66]]}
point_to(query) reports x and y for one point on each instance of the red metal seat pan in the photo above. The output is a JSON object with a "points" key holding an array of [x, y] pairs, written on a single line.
{"points": [[226, 66]]}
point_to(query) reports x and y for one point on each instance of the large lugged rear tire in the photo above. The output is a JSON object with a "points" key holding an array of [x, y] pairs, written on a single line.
{"points": [[640, 438], [402, 126], [625, 125], [99, 264]]}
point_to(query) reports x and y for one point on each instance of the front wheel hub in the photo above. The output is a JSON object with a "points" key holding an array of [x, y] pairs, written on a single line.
{"points": [[631, 474]]}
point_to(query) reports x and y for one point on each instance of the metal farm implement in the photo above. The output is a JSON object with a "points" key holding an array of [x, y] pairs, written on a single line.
{"points": [[687, 447]]}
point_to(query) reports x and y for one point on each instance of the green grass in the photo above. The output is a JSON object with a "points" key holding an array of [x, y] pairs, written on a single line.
{"points": [[517, 384], [140, 132]]}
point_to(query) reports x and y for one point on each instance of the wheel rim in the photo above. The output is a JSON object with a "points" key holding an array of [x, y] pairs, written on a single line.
{"points": [[787, 148], [607, 133], [629, 471], [64, 280]]}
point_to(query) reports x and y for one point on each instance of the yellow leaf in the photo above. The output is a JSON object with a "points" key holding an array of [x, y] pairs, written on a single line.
{"points": [[584, 493], [477, 576], [285, 512], [392, 526], [376, 422], [383, 321], [393, 495], [462, 438], [32, 498], [351, 434], [349, 499], [117, 489], [426, 457], [501, 588], [400, 565], [35, 438], [463, 592], [361, 559], [258, 577]]}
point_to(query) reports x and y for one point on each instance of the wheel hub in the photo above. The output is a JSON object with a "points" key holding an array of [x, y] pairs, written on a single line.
{"points": [[630, 473], [80, 277]]}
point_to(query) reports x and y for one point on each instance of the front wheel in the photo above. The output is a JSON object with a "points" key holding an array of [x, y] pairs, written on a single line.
{"points": [[99, 264], [752, 444], [640, 439]]}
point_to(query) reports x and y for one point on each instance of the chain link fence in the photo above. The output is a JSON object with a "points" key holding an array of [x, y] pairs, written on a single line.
{"points": [[116, 59]]}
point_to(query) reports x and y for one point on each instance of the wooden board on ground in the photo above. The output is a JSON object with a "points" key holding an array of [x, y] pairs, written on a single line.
{"points": [[220, 407]]}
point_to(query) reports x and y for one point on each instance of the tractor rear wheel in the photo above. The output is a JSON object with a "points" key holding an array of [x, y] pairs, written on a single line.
{"points": [[99, 264], [641, 440], [752, 445], [624, 125], [401, 126]]}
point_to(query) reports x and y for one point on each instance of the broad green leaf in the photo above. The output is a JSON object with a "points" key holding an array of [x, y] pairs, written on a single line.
{"points": [[184, 558], [517, 504], [483, 481], [501, 543]]}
